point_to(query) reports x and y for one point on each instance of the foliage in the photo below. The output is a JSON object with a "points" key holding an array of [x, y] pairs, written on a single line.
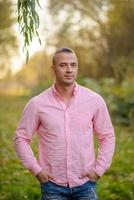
{"points": [[36, 72], [74, 26], [120, 99], [8, 41], [18, 184], [28, 20], [118, 32], [123, 111], [101, 32], [88, 9]]}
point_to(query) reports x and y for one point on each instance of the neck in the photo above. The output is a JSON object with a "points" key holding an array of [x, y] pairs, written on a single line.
{"points": [[65, 90]]}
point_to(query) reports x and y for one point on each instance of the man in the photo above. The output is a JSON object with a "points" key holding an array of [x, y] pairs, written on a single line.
{"points": [[65, 116]]}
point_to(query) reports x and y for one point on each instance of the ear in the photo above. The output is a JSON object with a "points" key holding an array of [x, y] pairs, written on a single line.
{"points": [[53, 70], [52, 67]]}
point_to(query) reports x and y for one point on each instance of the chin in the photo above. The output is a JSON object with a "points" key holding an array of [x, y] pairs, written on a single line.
{"points": [[69, 82]]}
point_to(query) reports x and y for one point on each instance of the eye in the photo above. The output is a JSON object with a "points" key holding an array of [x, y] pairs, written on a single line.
{"points": [[62, 64], [74, 64]]}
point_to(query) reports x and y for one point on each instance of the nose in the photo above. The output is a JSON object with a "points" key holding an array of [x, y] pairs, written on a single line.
{"points": [[69, 68]]}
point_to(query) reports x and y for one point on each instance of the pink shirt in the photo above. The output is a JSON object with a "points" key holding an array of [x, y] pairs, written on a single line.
{"points": [[66, 147]]}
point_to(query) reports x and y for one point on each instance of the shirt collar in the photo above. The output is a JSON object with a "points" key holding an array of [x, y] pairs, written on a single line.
{"points": [[57, 93]]}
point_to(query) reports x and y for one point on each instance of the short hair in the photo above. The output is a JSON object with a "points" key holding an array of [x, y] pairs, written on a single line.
{"points": [[62, 50]]}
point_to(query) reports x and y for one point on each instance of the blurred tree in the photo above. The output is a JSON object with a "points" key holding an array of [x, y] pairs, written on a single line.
{"points": [[77, 25], [101, 32], [36, 72], [87, 9], [119, 37], [8, 41]]}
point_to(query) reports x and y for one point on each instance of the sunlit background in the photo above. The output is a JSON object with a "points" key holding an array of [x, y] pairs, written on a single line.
{"points": [[102, 34]]}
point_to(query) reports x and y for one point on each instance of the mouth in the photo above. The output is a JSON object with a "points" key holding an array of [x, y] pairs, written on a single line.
{"points": [[69, 76]]}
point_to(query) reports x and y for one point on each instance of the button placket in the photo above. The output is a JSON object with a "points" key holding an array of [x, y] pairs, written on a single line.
{"points": [[68, 150]]}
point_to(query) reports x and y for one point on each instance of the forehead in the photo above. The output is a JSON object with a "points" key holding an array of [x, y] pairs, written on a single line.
{"points": [[65, 57]]}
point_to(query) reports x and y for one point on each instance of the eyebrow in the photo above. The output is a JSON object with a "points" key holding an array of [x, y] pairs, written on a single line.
{"points": [[69, 63]]}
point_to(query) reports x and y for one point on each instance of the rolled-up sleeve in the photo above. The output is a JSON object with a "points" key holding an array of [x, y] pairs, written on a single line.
{"points": [[105, 132], [27, 126]]}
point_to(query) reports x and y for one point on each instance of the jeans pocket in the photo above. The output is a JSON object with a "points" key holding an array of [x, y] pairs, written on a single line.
{"points": [[86, 191], [93, 182], [44, 183]]}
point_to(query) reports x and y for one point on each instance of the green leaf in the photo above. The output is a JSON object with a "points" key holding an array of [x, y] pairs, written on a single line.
{"points": [[28, 20]]}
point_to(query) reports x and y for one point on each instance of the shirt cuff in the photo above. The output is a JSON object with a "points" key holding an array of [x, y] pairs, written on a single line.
{"points": [[99, 170], [35, 169]]}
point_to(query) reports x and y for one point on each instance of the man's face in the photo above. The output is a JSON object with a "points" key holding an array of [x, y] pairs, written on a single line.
{"points": [[65, 68]]}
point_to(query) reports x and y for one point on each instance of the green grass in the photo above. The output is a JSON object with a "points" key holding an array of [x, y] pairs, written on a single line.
{"points": [[16, 183]]}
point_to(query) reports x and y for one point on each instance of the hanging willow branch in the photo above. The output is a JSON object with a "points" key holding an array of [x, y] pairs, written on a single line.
{"points": [[28, 20]]}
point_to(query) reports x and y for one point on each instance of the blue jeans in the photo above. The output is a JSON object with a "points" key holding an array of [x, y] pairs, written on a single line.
{"points": [[52, 191]]}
